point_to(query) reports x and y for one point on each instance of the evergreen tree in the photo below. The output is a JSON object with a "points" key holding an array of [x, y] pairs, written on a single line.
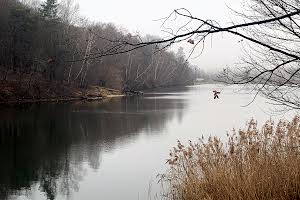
{"points": [[49, 9]]}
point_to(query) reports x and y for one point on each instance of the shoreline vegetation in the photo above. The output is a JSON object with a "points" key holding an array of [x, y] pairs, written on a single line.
{"points": [[16, 92], [12, 93], [21, 92], [253, 164]]}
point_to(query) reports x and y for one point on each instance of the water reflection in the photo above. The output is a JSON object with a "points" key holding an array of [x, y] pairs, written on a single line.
{"points": [[46, 146]]}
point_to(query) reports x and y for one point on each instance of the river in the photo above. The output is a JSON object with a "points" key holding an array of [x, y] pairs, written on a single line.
{"points": [[112, 149]]}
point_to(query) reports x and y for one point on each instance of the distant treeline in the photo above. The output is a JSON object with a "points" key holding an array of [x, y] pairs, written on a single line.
{"points": [[47, 41]]}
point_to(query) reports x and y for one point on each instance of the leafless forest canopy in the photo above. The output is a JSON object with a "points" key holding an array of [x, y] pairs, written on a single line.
{"points": [[49, 42]]}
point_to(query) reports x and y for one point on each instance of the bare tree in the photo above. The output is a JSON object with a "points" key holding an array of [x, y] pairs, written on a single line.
{"points": [[48, 46], [272, 72], [272, 30]]}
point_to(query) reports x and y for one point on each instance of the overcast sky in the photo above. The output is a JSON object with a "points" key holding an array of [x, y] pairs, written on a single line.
{"points": [[140, 16]]}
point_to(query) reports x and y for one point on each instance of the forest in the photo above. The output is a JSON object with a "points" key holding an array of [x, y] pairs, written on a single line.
{"points": [[48, 50]]}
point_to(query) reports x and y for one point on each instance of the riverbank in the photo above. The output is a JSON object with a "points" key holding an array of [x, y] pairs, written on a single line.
{"points": [[13, 92]]}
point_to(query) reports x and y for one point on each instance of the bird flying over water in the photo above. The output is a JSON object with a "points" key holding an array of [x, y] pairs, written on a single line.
{"points": [[216, 96]]}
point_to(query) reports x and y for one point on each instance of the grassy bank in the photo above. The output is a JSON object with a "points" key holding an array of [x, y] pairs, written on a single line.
{"points": [[253, 164], [15, 92]]}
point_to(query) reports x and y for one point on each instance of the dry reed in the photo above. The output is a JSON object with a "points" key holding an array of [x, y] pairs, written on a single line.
{"points": [[252, 164]]}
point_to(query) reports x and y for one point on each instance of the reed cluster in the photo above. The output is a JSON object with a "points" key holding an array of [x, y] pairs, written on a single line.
{"points": [[252, 164]]}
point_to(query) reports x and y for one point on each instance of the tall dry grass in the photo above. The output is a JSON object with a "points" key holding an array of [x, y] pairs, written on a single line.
{"points": [[252, 164]]}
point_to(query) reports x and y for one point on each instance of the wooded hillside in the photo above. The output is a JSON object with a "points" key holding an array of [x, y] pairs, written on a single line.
{"points": [[49, 44]]}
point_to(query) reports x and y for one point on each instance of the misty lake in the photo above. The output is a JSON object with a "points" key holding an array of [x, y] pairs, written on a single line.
{"points": [[112, 149]]}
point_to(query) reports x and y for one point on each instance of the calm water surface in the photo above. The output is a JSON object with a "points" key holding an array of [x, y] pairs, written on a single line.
{"points": [[111, 150]]}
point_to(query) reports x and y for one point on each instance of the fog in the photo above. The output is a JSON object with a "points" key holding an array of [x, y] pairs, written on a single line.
{"points": [[135, 16]]}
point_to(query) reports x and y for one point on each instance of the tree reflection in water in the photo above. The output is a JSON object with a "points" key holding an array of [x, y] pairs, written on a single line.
{"points": [[48, 144]]}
